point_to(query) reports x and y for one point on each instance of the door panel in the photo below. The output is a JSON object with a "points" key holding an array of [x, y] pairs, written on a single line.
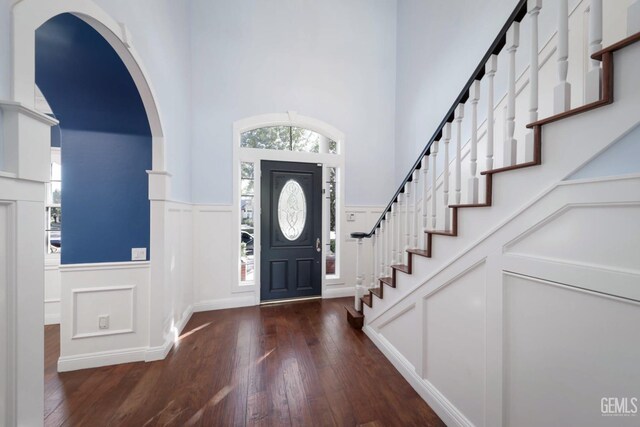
{"points": [[291, 224]]}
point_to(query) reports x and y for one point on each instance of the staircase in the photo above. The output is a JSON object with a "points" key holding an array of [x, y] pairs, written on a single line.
{"points": [[416, 209]]}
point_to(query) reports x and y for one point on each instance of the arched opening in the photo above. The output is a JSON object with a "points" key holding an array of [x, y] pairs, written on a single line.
{"points": [[105, 143]]}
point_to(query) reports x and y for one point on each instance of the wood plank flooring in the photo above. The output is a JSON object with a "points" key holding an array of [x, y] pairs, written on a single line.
{"points": [[295, 364]]}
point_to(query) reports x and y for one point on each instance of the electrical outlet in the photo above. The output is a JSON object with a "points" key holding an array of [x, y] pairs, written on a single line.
{"points": [[138, 254], [351, 216], [103, 322]]}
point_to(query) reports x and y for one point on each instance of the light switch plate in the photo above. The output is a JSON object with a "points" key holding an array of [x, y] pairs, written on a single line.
{"points": [[351, 216], [138, 254], [103, 322]]}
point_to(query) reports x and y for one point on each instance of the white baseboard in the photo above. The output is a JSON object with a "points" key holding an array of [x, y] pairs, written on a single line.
{"points": [[341, 292], [440, 404], [222, 303], [102, 358]]}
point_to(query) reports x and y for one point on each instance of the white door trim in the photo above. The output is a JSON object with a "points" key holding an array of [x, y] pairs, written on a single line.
{"points": [[256, 156]]}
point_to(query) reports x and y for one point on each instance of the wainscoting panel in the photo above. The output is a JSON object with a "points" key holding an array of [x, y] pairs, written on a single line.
{"points": [[454, 341], [400, 331], [4, 284], [119, 290], [557, 339]]}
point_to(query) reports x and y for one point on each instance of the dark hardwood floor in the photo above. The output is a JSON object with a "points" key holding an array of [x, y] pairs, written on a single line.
{"points": [[288, 364]]}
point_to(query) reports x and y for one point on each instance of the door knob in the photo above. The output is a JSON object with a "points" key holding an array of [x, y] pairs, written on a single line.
{"points": [[318, 245]]}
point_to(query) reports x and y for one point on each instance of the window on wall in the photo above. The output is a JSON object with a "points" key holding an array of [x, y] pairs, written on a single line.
{"points": [[247, 229], [330, 195], [53, 207], [290, 138]]}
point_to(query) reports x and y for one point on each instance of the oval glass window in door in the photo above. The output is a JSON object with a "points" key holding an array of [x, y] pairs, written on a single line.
{"points": [[292, 210]]}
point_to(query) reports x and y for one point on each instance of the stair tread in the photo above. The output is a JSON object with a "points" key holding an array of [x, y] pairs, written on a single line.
{"points": [[367, 300], [421, 252], [353, 312], [376, 291], [509, 168], [441, 232], [388, 281], [401, 267], [471, 205]]}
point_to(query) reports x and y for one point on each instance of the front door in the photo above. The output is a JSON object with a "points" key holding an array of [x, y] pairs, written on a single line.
{"points": [[291, 228]]}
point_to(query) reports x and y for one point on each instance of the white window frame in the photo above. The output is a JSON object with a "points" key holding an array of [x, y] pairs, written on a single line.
{"points": [[255, 156], [54, 258]]}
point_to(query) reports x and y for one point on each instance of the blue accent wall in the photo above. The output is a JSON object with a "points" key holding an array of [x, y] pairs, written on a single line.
{"points": [[105, 142]]}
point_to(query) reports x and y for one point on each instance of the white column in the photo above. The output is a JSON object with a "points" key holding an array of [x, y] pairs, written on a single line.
{"points": [[407, 221], [511, 145], [490, 70], [416, 201], [593, 81], [562, 92], [534, 7], [445, 186], [359, 277], [459, 115], [434, 181], [633, 18], [474, 97], [425, 194]]}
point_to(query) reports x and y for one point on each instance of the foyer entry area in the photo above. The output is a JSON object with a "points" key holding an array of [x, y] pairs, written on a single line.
{"points": [[286, 364]]}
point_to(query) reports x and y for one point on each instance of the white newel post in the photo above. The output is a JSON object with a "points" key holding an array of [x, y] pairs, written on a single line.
{"points": [[425, 193], [399, 230], [434, 181], [414, 226], [459, 115], [511, 145], [474, 97], [490, 69], [374, 256], [392, 234], [633, 18], [593, 81], [562, 92], [407, 221], [534, 7], [359, 277], [387, 238], [445, 192]]}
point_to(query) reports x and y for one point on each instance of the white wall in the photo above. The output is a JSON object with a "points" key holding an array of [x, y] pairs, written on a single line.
{"points": [[332, 60]]}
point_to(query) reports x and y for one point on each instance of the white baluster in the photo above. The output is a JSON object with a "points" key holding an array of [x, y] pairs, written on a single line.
{"points": [[474, 97], [359, 278], [399, 230], [594, 75], [633, 18], [534, 7], [407, 222], [374, 255], [416, 199], [562, 92], [459, 115], [511, 145], [445, 192], [490, 69], [387, 237], [434, 181], [425, 194]]}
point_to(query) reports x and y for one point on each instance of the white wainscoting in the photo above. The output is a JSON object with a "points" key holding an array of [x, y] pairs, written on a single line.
{"points": [[118, 290], [535, 323], [52, 291], [4, 315]]}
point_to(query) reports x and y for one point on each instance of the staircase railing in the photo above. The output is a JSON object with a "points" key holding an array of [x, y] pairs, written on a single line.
{"points": [[414, 208]]}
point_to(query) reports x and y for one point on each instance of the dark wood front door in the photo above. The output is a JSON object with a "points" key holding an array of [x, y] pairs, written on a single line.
{"points": [[291, 229]]}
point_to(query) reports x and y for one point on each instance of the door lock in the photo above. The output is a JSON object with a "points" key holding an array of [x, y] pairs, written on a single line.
{"points": [[318, 245]]}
